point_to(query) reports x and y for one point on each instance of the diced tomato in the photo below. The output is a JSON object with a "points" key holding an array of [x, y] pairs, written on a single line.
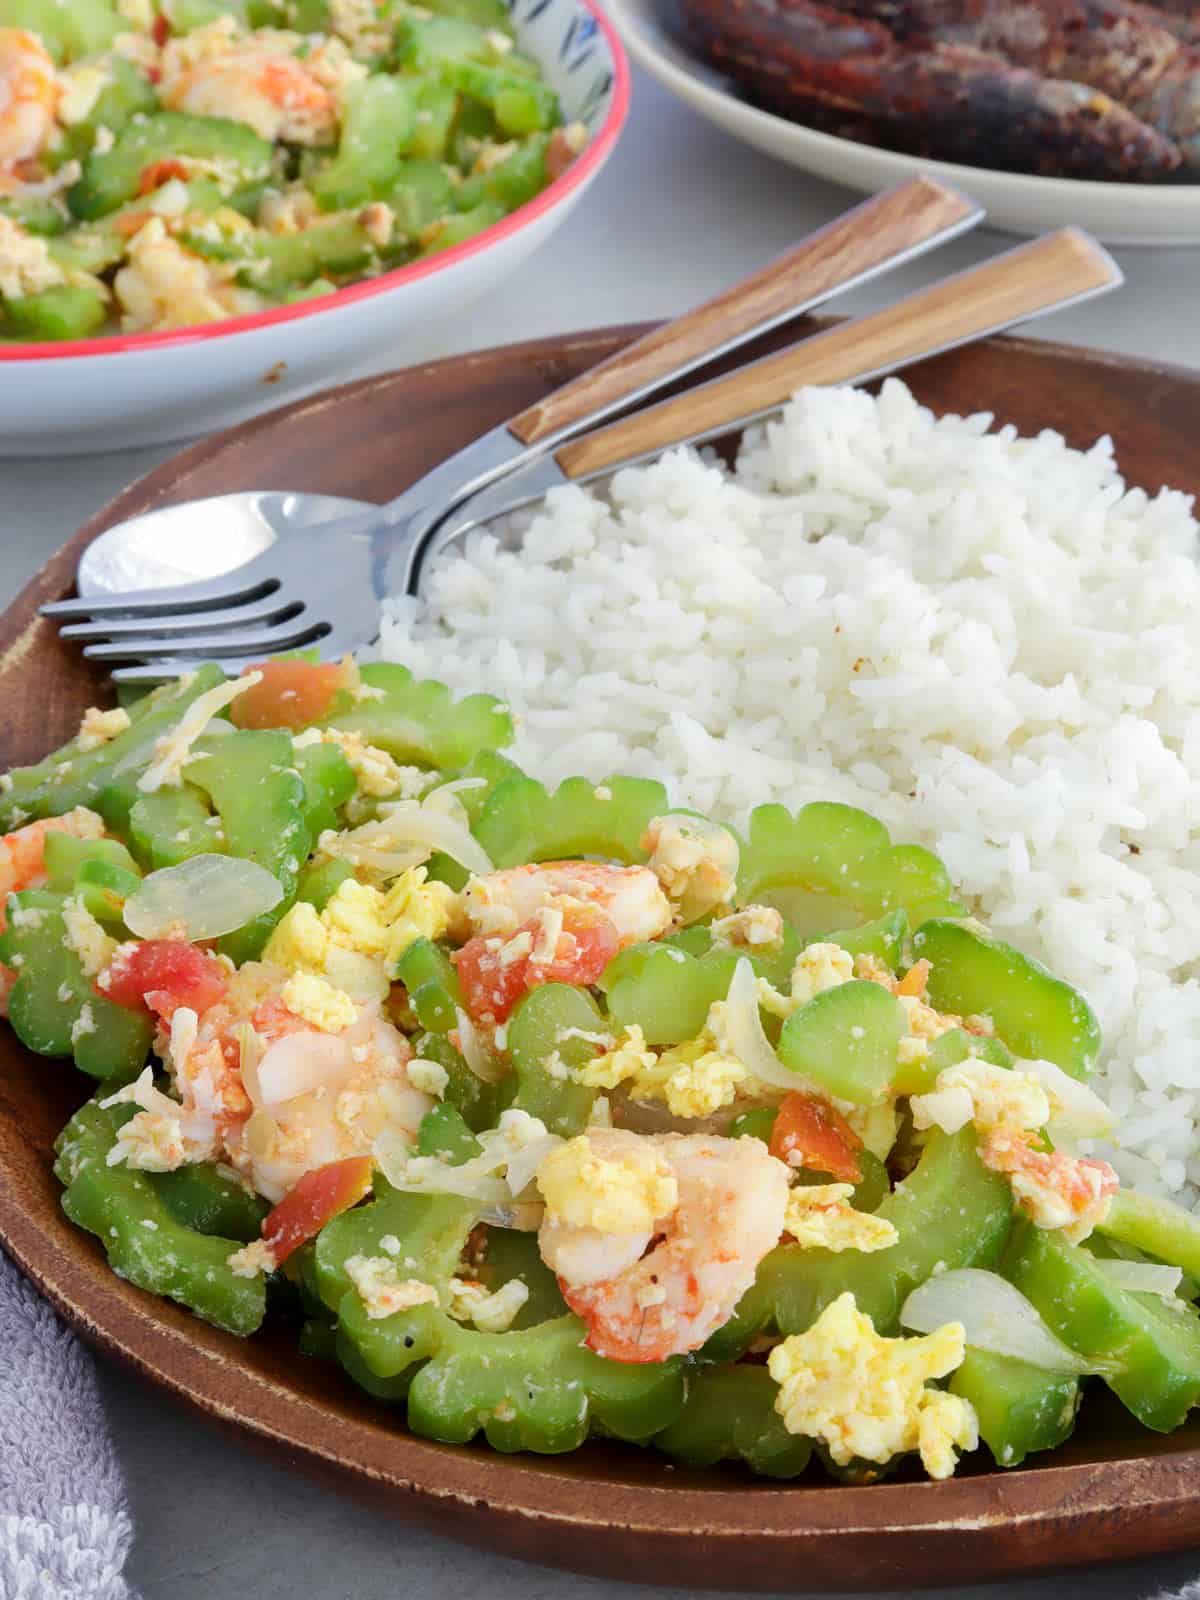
{"points": [[496, 973], [131, 222], [291, 695], [160, 172], [809, 1132], [160, 31], [319, 1196], [914, 980], [164, 974]]}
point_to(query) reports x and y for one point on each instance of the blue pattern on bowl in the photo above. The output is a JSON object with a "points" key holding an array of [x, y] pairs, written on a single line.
{"points": [[576, 61]]}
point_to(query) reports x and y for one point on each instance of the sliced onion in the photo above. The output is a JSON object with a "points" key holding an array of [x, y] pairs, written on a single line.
{"points": [[299, 1063], [995, 1315], [445, 798], [204, 897], [396, 1161], [523, 1218], [173, 750], [1143, 1277], [746, 1036], [1080, 1113], [523, 1165], [409, 832], [485, 1067]]}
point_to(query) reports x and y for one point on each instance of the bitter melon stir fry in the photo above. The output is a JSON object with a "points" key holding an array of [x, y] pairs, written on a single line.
{"points": [[556, 1114], [171, 162]]}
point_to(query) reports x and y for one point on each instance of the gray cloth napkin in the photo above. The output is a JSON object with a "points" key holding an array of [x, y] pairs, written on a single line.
{"points": [[64, 1528]]}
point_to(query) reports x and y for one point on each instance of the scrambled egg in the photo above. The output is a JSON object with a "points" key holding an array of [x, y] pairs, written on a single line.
{"points": [[1055, 1190], [251, 1259], [316, 1001], [624, 1193], [163, 1135], [748, 928], [137, 13], [989, 1096], [81, 85], [26, 266], [816, 968], [358, 23], [98, 727], [694, 1079], [865, 1396], [364, 922], [695, 861], [430, 1077], [86, 939], [374, 770], [820, 967], [381, 1288], [165, 286], [490, 1312], [923, 1021], [821, 1217]]}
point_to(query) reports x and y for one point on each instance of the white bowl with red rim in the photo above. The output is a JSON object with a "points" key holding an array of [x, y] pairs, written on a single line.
{"points": [[120, 390]]}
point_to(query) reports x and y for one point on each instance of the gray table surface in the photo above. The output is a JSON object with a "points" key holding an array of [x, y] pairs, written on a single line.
{"points": [[680, 211]]}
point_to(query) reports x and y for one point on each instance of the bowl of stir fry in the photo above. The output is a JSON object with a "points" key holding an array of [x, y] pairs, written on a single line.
{"points": [[204, 206], [547, 1114]]}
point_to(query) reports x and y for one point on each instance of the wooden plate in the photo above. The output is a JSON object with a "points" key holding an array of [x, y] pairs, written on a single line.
{"points": [[1112, 1492]]}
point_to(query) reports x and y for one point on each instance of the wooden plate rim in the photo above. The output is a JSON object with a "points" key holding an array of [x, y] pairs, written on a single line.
{"points": [[687, 1531]]}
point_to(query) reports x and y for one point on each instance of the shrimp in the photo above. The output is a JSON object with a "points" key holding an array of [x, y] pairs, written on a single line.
{"points": [[630, 897], [273, 1095], [1054, 1189], [23, 864], [253, 79], [29, 92], [646, 1304], [22, 853]]}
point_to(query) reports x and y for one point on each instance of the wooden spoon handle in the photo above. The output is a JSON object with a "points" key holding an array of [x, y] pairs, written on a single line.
{"points": [[880, 233], [1034, 278]]}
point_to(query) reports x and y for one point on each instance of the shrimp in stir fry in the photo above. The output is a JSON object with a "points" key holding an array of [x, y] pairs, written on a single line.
{"points": [[23, 866], [561, 922], [253, 79], [630, 897], [277, 1095], [29, 92], [710, 1209]]}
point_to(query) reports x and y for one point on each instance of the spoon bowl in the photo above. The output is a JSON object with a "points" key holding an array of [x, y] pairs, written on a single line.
{"points": [[201, 539]]}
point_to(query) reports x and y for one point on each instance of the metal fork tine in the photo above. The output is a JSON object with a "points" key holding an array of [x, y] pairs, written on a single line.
{"points": [[231, 589], [301, 630], [274, 609], [161, 671]]}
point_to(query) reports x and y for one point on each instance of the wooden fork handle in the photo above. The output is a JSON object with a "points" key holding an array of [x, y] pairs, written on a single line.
{"points": [[1034, 278], [897, 223]]}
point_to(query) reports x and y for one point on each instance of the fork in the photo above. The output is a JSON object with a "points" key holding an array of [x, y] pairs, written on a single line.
{"points": [[284, 598], [375, 560]]}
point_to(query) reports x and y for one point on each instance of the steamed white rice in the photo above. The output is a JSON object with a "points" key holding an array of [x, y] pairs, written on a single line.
{"points": [[987, 641]]}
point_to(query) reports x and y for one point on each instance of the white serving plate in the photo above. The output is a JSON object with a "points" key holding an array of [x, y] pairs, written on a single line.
{"points": [[1118, 213], [148, 388]]}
